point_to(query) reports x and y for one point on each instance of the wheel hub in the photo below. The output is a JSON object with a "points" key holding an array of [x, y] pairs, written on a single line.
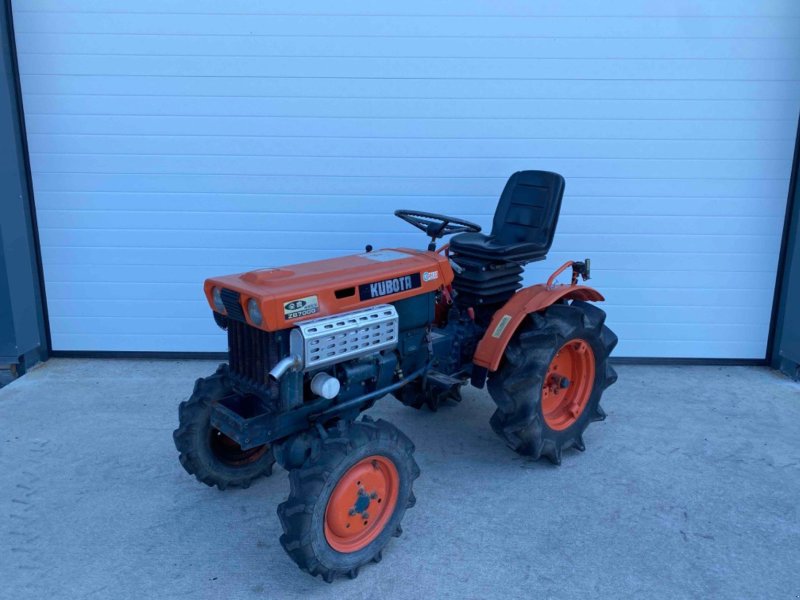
{"points": [[568, 384], [361, 504]]}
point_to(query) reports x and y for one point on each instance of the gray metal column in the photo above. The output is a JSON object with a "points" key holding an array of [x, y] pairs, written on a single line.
{"points": [[23, 329], [786, 344]]}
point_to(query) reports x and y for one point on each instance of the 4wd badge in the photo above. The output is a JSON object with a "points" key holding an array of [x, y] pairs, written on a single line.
{"points": [[302, 307]]}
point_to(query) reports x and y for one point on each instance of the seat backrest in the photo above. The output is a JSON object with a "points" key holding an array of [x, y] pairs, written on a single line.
{"points": [[528, 209]]}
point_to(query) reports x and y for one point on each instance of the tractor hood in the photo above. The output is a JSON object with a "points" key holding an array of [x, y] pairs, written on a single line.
{"points": [[294, 293]]}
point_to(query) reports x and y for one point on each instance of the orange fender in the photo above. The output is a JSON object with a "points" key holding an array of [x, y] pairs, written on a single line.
{"points": [[527, 300]]}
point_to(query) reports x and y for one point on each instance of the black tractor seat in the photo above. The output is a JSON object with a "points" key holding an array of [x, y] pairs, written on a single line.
{"points": [[524, 222]]}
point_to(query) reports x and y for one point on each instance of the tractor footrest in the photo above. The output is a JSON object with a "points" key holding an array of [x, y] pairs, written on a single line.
{"points": [[442, 379]]}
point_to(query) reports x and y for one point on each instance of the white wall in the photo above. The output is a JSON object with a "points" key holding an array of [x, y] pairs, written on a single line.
{"points": [[171, 141]]}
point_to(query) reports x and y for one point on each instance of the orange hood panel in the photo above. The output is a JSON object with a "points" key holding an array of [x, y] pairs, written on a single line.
{"points": [[294, 293]]}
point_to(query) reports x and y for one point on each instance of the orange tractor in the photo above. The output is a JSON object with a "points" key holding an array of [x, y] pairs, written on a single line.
{"points": [[313, 345]]}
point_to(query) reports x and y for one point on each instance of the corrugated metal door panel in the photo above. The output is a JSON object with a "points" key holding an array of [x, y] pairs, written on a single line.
{"points": [[174, 141]]}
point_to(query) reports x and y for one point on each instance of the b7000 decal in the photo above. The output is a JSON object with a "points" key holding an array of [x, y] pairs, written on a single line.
{"points": [[302, 307]]}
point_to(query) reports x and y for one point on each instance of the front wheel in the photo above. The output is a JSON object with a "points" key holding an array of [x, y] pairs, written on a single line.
{"points": [[348, 498], [549, 385], [208, 454]]}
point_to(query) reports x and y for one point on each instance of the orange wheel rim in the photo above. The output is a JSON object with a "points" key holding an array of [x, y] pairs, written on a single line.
{"points": [[568, 384], [361, 504]]}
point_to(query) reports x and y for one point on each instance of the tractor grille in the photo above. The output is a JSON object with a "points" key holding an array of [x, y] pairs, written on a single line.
{"points": [[251, 352], [233, 307]]}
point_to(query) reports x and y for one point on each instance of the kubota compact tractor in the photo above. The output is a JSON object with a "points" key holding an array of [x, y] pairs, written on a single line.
{"points": [[313, 345]]}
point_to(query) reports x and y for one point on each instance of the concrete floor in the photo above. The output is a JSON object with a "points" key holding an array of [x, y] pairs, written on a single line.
{"points": [[688, 490]]}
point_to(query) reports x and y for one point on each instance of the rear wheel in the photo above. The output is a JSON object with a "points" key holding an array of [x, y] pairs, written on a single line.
{"points": [[348, 498], [549, 385], [208, 454]]}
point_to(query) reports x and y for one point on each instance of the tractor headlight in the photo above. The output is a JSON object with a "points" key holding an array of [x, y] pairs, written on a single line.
{"points": [[254, 312], [219, 305]]}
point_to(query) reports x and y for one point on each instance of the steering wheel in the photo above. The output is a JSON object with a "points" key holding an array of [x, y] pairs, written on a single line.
{"points": [[435, 225]]}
